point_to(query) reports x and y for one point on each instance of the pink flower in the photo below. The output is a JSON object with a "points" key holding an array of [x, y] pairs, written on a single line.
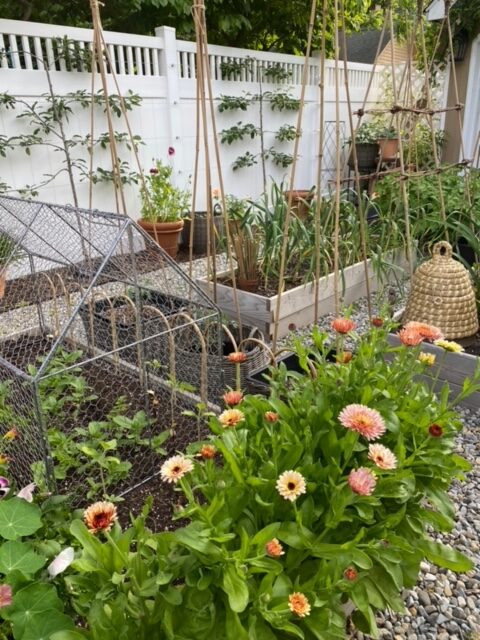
{"points": [[427, 331], [362, 481], [367, 422], [5, 595], [171, 151], [232, 398], [382, 456], [343, 325], [153, 171], [410, 337]]}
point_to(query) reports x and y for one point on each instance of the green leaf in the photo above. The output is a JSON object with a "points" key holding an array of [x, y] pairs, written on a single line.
{"points": [[36, 599], [235, 586], [445, 556], [234, 630], [18, 518], [41, 626], [16, 555], [68, 635]]}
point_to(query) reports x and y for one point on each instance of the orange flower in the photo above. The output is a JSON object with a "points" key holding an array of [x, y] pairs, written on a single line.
{"points": [[410, 337], [237, 357], [232, 398], [427, 331], [4, 459], [350, 574], [377, 322], [344, 358], [271, 416], [12, 434], [208, 451], [343, 325], [274, 549], [231, 417], [100, 516], [298, 604]]}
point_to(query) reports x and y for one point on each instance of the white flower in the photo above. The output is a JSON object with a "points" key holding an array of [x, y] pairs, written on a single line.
{"points": [[27, 492], [61, 562]]}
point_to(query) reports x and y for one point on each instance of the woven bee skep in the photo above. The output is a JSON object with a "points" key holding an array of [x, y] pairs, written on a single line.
{"points": [[442, 295]]}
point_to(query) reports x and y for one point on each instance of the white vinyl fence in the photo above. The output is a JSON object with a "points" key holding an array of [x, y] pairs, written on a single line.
{"points": [[161, 70]]}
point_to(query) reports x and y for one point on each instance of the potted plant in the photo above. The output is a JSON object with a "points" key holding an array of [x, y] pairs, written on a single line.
{"points": [[200, 229], [163, 206], [387, 139], [301, 201], [7, 254], [366, 147]]}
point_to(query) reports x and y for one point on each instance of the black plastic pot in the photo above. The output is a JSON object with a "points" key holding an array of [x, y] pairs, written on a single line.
{"points": [[367, 156], [200, 235], [466, 251]]}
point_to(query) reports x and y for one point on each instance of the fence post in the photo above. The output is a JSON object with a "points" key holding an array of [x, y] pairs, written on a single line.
{"points": [[169, 69]]}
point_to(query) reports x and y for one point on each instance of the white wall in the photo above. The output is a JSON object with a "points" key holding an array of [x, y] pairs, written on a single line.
{"points": [[161, 70]]}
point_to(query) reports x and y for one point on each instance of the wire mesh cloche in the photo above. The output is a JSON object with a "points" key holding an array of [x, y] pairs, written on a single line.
{"points": [[98, 331], [442, 295]]}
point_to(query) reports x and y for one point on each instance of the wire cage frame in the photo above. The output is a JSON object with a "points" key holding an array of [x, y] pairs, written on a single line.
{"points": [[94, 319]]}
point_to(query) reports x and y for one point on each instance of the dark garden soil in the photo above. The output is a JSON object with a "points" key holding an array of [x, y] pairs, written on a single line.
{"points": [[271, 288], [34, 288], [471, 344], [108, 383]]}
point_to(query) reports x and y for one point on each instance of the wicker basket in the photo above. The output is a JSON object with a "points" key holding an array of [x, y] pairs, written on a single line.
{"points": [[442, 295]]}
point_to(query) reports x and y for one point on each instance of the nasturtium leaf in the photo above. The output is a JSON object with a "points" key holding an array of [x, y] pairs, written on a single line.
{"points": [[36, 599], [67, 635], [18, 556], [18, 518], [42, 625]]}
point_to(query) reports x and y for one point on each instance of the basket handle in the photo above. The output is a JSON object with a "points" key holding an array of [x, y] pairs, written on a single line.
{"points": [[442, 249]]}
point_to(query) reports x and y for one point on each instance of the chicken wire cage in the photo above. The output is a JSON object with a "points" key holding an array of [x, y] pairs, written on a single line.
{"points": [[106, 351]]}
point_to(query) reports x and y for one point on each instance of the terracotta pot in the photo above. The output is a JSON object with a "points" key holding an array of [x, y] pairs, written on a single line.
{"points": [[388, 148], [3, 283], [166, 234], [248, 284], [300, 201]]}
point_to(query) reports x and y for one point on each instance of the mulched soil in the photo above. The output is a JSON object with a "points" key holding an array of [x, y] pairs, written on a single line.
{"points": [[109, 383], [471, 344], [35, 288]]}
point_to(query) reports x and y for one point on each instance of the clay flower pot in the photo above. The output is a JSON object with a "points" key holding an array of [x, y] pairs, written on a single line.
{"points": [[166, 234], [300, 201], [388, 148]]}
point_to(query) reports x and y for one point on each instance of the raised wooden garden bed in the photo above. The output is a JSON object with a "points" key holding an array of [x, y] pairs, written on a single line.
{"points": [[298, 305], [449, 367]]}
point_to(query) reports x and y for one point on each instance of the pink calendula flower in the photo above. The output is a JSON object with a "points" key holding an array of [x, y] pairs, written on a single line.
{"points": [[343, 325], [427, 331], [5, 595], [367, 422], [362, 481], [382, 456]]}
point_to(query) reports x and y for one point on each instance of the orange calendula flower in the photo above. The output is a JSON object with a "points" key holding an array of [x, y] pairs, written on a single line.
{"points": [[232, 398], [367, 422], [343, 325], [274, 549], [100, 516], [175, 468], [299, 605], [344, 358], [12, 434], [231, 417], [4, 459], [237, 357], [271, 416], [410, 337], [350, 574], [208, 451], [427, 331], [290, 485]]}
